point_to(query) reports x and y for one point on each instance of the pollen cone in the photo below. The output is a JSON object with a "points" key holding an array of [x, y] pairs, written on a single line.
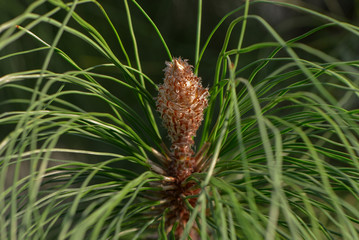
{"points": [[181, 101]]}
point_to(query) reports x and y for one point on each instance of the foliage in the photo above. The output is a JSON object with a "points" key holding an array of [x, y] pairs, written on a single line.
{"points": [[283, 129]]}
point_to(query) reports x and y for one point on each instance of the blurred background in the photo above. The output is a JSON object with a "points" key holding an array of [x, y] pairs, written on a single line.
{"points": [[176, 19]]}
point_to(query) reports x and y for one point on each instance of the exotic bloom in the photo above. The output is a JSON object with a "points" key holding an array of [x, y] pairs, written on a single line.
{"points": [[181, 101]]}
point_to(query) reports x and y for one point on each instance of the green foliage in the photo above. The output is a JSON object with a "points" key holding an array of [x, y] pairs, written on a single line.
{"points": [[282, 122]]}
